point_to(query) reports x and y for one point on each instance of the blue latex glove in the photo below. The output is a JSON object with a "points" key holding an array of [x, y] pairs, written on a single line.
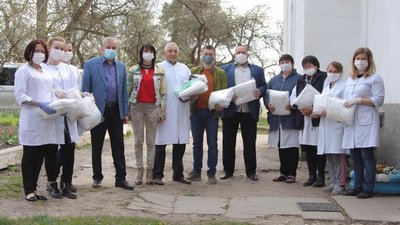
{"points": [[45, 107]]}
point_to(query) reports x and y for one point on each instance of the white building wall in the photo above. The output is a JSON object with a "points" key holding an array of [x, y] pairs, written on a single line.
{"points": [[324, 28], [333, 30]]}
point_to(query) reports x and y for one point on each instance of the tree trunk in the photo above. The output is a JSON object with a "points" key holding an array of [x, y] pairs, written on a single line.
{"points": [[41, 18]]}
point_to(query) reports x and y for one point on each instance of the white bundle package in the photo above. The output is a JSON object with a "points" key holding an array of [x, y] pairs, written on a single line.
{"points": [[61, 106], [94, 118], [320, 103], [335, 110], [74, 93], [222, 97], [197, 85], [81, 109], [306, 97], [279, 99], [245, 92]]}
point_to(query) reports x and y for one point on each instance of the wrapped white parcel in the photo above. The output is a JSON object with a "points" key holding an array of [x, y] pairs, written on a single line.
{"points": [[245, 92], [279, 99], [306, 97]]}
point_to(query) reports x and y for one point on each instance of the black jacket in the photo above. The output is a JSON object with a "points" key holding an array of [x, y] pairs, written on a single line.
{"points": [[318, 83]]}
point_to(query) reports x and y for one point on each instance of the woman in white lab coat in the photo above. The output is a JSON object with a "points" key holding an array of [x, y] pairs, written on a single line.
{"points": [[64, 79], [33, 90], [331, 132], [366, 90]]}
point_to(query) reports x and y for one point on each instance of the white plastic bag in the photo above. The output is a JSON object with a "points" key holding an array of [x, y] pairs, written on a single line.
{"points": [[335, 110], [279, 99], [81, 110], [245, 92], [320, 103], [194, 86], [61, 106], [221, 97], [94, 118], [306, 97]]}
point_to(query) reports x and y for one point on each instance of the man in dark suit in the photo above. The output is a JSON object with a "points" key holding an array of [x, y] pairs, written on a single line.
{"points": [[105, 77], [245, 114]]}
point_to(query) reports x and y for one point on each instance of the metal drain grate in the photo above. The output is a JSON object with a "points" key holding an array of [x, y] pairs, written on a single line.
{"points": [[318, 206]]}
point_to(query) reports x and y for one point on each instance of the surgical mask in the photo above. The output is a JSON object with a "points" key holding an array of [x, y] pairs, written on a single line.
{"points": [[38, 58], [241, 58], [56, 54], [148, 56], [110, 54], [361, 64], [333, 76], [67, 56], [208, 59], [310, 72], [286, 67]]}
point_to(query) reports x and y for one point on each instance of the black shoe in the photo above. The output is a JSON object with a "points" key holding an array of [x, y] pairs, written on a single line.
{"points": [[40, 197], [365, 194], [320, 182], [53, 190], [353, 192], [72, 187], [226, 176], [124, 184], [253, 177], [31, 197], [96, 183], [67, 191], [184, 181], [310, 181]]}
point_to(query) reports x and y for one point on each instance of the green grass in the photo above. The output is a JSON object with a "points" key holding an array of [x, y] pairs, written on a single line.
{"points": [[9, 118], [106, 220], [10, 182]]}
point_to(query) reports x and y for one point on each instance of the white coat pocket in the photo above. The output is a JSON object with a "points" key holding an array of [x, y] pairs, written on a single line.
{"points": [[364, 118]]}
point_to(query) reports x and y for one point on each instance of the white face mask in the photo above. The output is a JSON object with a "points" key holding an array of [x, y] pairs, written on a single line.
{"points": [[241, 58], [310, 72], [67, 56], [38, 58], [333, 76], [56, 54], [148, 56], [286, 67], [361, 64]]}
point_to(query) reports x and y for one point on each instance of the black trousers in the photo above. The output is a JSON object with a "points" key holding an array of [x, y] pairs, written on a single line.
{"points": [[248, 128], [66, 156], [66, 159], [32, 160], [289, 159], [114, 125], [314, 162], [178, 150]]}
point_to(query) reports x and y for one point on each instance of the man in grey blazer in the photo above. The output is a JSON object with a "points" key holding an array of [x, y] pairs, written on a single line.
{"points": [[105, 77]]}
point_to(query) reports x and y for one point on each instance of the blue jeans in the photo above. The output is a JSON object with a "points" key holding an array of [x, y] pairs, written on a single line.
{"points": [[201, 120], [363, 158]]}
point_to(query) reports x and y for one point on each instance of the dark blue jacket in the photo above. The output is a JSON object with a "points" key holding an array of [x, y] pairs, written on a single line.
{"points": [[279, 83], [254, 106]]}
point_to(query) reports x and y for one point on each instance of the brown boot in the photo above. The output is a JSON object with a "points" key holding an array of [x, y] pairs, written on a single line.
{"points": [[139, 176], [149, 176]]}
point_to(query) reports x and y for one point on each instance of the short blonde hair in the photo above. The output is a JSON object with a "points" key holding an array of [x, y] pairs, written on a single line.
{"points": [[371, 64], [53, 39]]}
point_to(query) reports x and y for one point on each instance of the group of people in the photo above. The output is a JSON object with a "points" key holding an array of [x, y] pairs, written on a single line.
{"points": [[146, 95], [325, 140]]}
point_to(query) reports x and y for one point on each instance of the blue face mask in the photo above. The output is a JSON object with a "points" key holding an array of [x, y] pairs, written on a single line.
{"points": [[110, 54], [208, 59]]}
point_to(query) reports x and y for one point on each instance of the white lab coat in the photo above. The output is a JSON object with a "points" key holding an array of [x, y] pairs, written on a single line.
{"points": [[309, 134], [364, 132], [175, 129], [32, 85], [63, 78], [331, 132]]}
